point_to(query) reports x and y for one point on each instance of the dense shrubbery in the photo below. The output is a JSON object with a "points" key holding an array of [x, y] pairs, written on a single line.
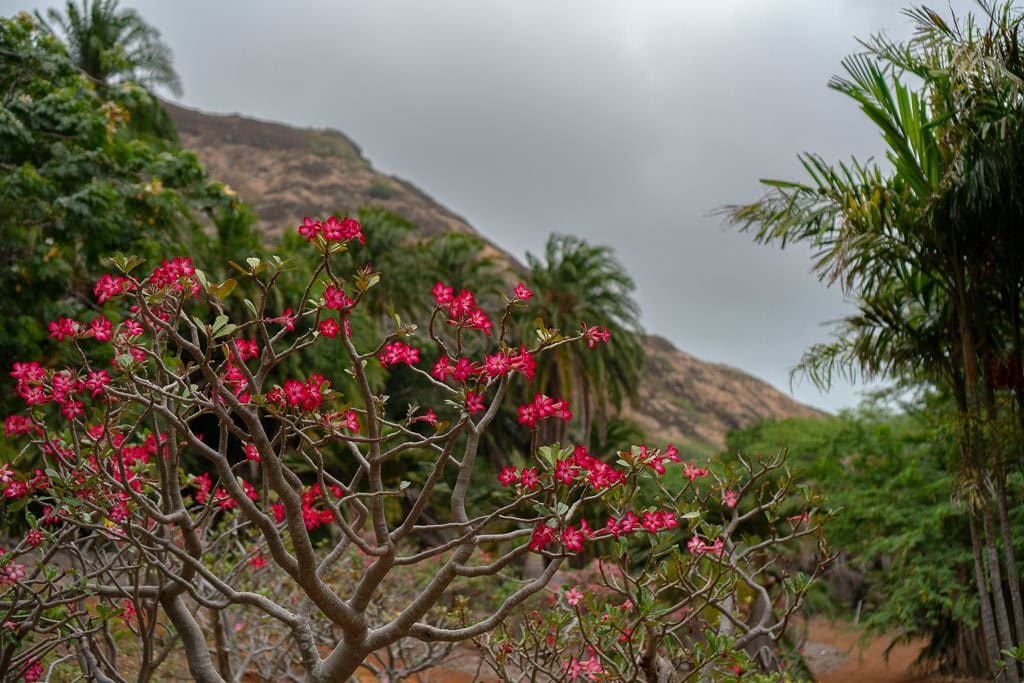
{"points": [[292, 485], [905, 560], [928, 248]]}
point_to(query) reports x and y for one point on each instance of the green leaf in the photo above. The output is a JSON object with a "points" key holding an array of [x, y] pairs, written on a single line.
{"points": [[224, 289], [227, 329]]}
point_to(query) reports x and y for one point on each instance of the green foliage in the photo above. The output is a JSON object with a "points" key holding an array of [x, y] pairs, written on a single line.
{"points": [[382, 189], [77, 184], [888, 475], [578, 283], [114, 45]]}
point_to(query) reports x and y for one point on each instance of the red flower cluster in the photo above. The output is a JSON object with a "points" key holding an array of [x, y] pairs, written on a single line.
{"points": [[462, 309], [17, 424], [34, 671], [336, 299], [600, 475], [109, 286], [527, 478], [176, 274], [65, 327], [308, 395], [590, 669], [247, 348], [332, 229], [542, 407], [311, 516], [35, 387], [654, 459], [398, 352]]}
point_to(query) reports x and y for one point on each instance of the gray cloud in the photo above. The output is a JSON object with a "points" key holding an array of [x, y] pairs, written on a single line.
{"points": [[625, 123]]}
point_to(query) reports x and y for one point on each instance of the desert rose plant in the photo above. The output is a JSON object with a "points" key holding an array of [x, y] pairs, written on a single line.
{"points": [[178, 491], [707, 593]]}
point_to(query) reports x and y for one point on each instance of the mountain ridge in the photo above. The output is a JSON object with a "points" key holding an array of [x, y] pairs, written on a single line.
{"points": [[283, 172]]}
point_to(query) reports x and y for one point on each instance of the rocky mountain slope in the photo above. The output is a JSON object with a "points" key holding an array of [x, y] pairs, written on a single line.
{"points": [[286, 173]]}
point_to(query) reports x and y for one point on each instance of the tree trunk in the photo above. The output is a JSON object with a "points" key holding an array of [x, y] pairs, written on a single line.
{"points": [[200, 664], [1012, 574], [988, 626], [1002, 616]]}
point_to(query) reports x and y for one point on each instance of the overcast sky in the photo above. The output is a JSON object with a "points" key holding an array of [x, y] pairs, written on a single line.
{"points": [[627, 123]]}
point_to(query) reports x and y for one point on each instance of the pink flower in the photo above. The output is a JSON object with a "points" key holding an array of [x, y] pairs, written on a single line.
{"points": [[729, 498], [595, 334], [497, 364], [474, 402], [277, 509], [12, 573], [176, 274], [442, 368], [351, 420], [442, 294], [542, 535], [523, 362], [573, 596], [802, 518], [479, 320], [101, 328], [72, 409], [258, 561], [695, 544], [95, 381], [528, 478], [398, 352], [309, 229], [521, 292], [461, 305], [252, 453], [336, 299], [590, 669], [565, 472], [247, 348], [509, 475], [28, 372], [572, 539], [16, 424], [430, 418], [465, 369], [34, 671], [288, 320], [694, 472], [108, 286], [65, 327]]}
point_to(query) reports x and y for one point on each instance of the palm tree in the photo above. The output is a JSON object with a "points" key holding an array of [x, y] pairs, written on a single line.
{"points": [[578, 283], [926, 249], [113, 44]]}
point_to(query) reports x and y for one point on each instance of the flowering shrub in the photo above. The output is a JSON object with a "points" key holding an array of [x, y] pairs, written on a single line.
{"points": [[654, 606], [146, 526]]}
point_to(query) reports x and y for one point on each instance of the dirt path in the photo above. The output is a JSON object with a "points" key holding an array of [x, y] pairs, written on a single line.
{"points": [[833, 652], [835, 655]]}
